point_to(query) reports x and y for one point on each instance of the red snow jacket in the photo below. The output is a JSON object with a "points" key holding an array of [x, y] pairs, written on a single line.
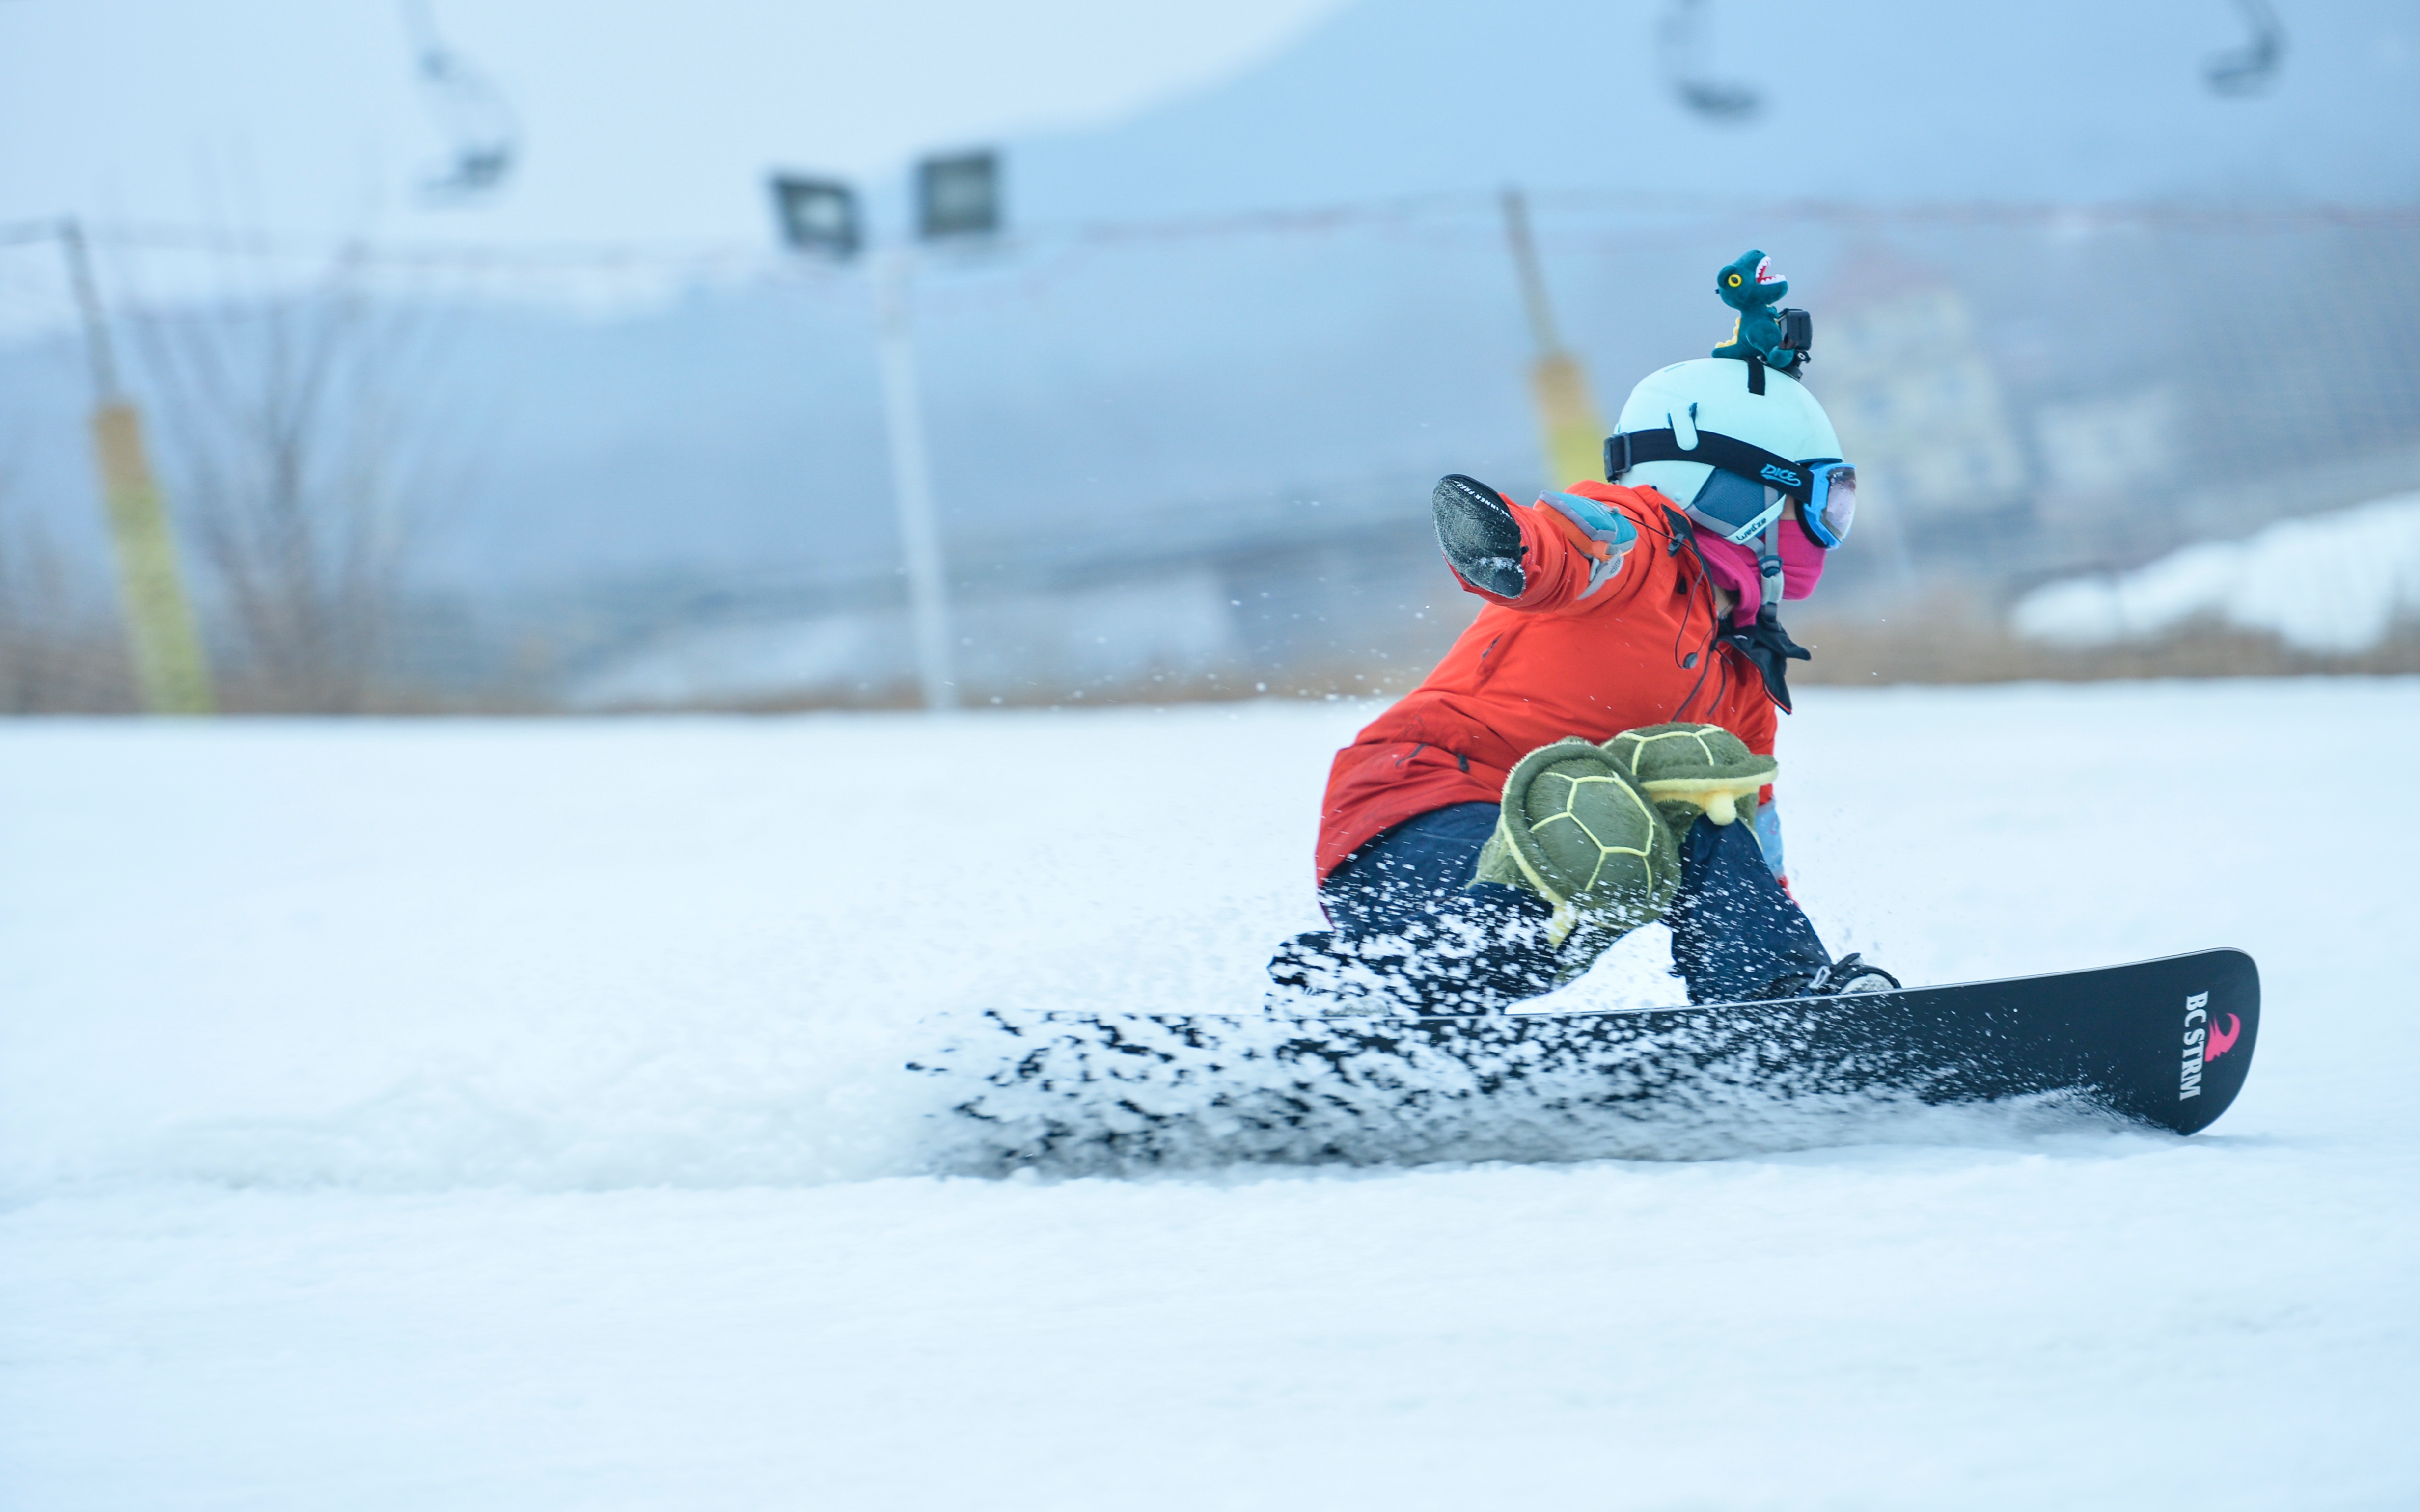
{"points": [[1530, 670]]}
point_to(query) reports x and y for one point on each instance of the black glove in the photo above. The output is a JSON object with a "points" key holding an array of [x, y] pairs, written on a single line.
{"points": [[1476, 534], [1770, 648]]}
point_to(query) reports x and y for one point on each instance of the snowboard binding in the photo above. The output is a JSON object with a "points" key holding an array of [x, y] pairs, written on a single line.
{"points": [[1844, 977]]}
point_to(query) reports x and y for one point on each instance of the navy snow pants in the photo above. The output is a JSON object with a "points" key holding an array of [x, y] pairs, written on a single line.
{"points": [[1410, 929]]}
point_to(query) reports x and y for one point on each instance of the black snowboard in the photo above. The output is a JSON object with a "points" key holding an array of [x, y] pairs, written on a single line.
{"points": [[2166, 1042]]}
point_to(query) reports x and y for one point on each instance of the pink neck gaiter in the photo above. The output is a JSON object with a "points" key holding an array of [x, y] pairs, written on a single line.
{"points": [[1733, 567]]}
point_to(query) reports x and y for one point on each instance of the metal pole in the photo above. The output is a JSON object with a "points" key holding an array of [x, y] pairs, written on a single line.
{"points": [[96, 328], [1566, 415], [919, 537], [1533, 278], [171, 671]]}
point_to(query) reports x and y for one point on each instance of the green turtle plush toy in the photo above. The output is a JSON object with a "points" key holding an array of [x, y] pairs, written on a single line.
{"points": [[1578, 830], [1752, 287], [1691, 769]]}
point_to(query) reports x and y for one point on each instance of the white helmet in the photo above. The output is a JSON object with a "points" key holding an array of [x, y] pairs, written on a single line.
{"points": [[1764, 441], [1713, 394]]}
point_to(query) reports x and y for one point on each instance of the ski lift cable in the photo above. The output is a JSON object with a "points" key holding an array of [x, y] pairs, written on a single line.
{"points": [[469, 111], [2250, 69], [1474, 216]]}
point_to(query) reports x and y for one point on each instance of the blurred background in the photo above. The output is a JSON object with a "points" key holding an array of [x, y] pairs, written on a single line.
{"points": [[518, 355]]}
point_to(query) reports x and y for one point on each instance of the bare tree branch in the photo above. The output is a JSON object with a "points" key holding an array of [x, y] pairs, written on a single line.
{"points": [[306, 467], [59, 650]]}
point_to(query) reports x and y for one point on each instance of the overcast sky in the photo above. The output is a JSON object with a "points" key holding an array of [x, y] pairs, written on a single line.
{"points": [[640, 119]]}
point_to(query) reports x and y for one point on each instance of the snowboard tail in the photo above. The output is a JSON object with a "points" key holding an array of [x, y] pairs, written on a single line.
{"points": [[2167, 1043]]}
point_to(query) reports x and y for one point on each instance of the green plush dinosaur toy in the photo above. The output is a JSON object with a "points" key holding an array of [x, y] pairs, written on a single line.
{"points": [[1752, 287]]}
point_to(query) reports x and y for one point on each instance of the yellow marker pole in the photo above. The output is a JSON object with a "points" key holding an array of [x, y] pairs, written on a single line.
{"points": [[1567, 416], [1575, 436], [171, 673], [169, 668]]}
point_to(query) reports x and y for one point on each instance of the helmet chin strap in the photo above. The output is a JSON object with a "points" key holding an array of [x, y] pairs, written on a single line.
{"points": [[1768, 567], [1765, 644]]}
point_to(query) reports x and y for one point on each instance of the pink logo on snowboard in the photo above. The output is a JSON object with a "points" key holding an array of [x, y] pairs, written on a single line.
{"points": [[2221, 1041]]}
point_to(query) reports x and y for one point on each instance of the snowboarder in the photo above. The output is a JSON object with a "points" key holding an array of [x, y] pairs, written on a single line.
{"points": [[1596, 751]]}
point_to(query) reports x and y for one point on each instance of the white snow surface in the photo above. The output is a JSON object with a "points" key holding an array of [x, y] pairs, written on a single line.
{"points": [[481, 1115], [2336, 583]]}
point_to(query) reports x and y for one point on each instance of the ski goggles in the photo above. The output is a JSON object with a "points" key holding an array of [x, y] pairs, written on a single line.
{"points": [[1744, 494], [1830, 506]]}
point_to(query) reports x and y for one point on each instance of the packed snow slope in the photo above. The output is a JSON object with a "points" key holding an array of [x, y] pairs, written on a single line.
{"points": [[461, 1115], [2337, 582]]}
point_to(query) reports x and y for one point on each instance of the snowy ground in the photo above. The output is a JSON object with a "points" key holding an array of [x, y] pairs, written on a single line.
{"points": [[2338, 583], [506, 1116]]}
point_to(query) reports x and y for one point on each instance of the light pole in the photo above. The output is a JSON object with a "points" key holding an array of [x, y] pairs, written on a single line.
{"points": [[911, 481], [958, 197]]}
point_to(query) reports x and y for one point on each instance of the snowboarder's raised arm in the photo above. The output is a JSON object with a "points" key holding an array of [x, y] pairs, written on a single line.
{"points": [[1551, 555]]}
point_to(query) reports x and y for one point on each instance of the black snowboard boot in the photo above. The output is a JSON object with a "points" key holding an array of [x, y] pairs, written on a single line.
{"points": [[1850, 974]]}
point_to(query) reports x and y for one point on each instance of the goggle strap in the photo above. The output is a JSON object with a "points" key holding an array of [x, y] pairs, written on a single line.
{"points": [[1728, 453]]}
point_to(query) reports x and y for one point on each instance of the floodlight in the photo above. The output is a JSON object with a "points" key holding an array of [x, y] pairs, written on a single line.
{"points": [[817, 215], [958, 195]]}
